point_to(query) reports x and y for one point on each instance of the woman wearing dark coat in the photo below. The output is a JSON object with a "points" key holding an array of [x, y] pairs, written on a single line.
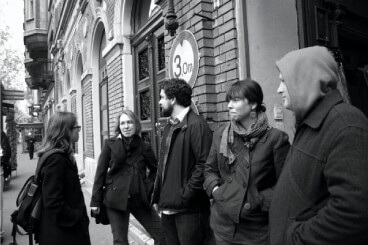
{"points": [[245, 161], [122, 184], [64, 217]]}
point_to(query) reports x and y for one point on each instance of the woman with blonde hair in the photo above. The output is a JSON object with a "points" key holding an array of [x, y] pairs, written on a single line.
{"points": [[122, 184], [64, 217]]}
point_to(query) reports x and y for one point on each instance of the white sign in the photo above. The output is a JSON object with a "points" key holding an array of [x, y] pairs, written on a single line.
{"points": [[184, 58]]}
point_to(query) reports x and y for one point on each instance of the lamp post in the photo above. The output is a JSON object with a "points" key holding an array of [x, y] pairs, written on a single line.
{"points": [[171, 23]]}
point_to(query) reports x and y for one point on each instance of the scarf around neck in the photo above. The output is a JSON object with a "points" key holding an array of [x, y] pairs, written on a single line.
{"points": [[131, 145], [250, 137]]}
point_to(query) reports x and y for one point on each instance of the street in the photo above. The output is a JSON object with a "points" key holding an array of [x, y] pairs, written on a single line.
{"points": [[100, 234]]}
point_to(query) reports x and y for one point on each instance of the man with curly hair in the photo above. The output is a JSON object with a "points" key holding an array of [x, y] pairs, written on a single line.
{"points": [[178, 191]]}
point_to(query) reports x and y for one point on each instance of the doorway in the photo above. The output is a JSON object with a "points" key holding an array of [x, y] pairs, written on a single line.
{"points": [[149, 71], [340, 24]]}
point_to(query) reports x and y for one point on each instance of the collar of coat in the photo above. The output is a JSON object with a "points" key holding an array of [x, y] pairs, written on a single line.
{"points": [[117, 148], [183, 125], [317, 115]]}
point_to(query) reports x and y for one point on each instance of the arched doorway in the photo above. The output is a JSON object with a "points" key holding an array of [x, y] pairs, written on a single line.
{"points": [[149, 67]]}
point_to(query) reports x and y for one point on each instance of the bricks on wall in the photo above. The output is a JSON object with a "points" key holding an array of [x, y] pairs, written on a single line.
{"points": [[88, 118], [115, 91], [204, 89], [225, 53], [217, 43]]}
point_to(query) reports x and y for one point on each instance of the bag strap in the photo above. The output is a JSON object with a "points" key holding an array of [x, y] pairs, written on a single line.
{"points": [[42, 160], [21, 193]]}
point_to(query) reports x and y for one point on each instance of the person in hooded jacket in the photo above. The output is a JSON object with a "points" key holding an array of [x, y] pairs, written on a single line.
{"points": [[245, 161], [121, 181], [322, 194]]}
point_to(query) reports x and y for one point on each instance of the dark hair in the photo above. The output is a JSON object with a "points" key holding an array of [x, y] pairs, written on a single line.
{"points": [[179, 89], [133, 117], [248, 89], [59, 130]]}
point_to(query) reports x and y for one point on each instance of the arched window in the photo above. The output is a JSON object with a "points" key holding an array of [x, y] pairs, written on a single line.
{"points": [[104, 113]]}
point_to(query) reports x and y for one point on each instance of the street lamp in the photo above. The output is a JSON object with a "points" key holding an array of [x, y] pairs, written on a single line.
{"points": [[171, 23], [34, 110]]}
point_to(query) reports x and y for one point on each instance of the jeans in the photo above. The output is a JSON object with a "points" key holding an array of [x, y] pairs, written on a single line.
{"points": [[149, 219], [185, 228]]}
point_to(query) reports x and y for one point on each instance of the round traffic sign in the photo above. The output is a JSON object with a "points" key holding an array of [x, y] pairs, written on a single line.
{"points": [[184, 58]]}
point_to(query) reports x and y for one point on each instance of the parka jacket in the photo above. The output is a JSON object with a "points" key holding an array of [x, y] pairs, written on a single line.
{"points": [[322, 193], [256, 173], [115, 170], [64, 217], [193, 136]]}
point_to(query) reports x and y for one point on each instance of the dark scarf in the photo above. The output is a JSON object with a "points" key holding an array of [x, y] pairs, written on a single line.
{"points": [[130, 145], [250, 137]]}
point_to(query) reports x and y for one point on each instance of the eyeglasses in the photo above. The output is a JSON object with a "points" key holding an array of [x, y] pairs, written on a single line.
{"points": [[77, 127]]}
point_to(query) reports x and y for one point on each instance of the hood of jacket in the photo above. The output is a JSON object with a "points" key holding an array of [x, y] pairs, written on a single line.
{"points": [[309, 74]]}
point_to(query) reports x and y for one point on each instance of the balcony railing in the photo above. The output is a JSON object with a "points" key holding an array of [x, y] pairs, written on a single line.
{"points": [[40, 74]]}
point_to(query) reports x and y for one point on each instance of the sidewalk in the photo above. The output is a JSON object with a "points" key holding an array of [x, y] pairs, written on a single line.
{"points": [[100, 234]]}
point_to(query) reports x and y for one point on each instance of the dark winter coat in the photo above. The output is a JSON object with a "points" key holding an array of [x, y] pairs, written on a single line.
{"points": [[245, 188], [64, 217], [322, 193], [5, 146], [190, 145], [5, 158], [30, 144], [115, 171]]}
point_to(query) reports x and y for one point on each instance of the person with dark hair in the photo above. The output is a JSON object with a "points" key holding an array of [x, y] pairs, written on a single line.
{"points": [[30, 146], [121, 182], [64, 217], [322, 194], [245, 161], [178, 192]]}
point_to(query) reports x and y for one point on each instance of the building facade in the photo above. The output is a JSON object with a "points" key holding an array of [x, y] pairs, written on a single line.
{"points": [[96, 57]]}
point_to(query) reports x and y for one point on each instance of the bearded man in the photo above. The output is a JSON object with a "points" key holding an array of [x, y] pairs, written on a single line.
{"points": [[178, 192]]}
